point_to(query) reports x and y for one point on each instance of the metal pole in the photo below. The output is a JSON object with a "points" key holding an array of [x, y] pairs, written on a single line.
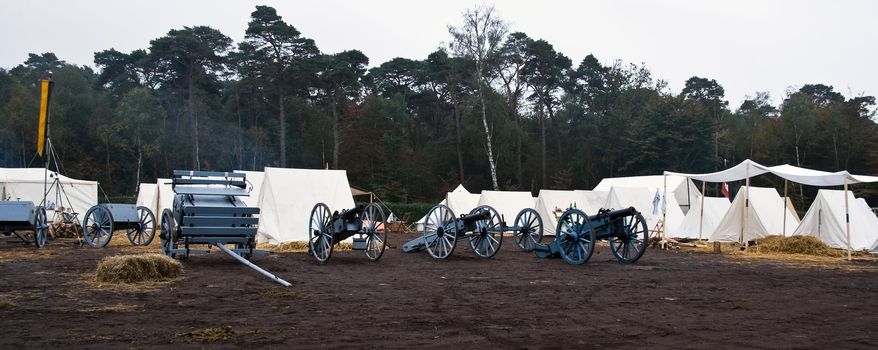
{"points": [[253, 266], [701, 220], [784, 233], [847, 216], [664, 212], [746, 206]]}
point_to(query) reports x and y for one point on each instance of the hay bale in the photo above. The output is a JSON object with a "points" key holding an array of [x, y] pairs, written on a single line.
{"points": [[807, 245], [138, 268]]}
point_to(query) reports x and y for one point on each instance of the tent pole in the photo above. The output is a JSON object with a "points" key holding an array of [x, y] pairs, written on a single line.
{"points": [[664, 204], [746, 206], [784, 233], [847, 216], [701, 219]]}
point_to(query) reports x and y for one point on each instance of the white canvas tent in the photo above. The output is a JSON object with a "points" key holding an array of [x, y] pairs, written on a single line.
{"points": [[254, 179], [148, 196], [288, 195], [826, 221], [644, 200], [592, 201], [166, 196], [460, 200], [550, 204], [507, 203], [684, 191], [27, 184], [765, 216], [698, 226]]}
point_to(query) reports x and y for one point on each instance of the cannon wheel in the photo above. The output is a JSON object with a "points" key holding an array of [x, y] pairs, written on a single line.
{"points": [[375, 229], [575, 236], [488, 237], [628, 246], [144, 232], [97, 227], [41, 227], [167, 235], [320, 233], [439, 243], [530, 229]]}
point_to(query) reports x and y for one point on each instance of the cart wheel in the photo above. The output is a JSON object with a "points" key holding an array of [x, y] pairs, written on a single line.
{"points": [[320, 233], [576, 237], [375, 229], [144, 232], [41, 227], [440, 231], [97, 227], [488, 236], [167, 234], [630, 245], [530, 229]]}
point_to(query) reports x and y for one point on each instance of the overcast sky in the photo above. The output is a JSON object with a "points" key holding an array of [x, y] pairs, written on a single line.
{"points": [[747, 46]]}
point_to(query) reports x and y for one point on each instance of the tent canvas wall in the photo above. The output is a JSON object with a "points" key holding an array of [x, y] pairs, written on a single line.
{"points": [[27, 184], [643, 199], [148, 196], [254, 179], [462, 202], [765, 217], [507, 203], [826, 221], [166, 195], [458, 189], [550, 204], [288, 195], [694, 227], [592, 201], [684, 190]]}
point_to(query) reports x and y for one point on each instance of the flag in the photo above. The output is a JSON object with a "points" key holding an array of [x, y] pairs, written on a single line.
{"points": [[655, 202], [45, 93], [725, 190]]}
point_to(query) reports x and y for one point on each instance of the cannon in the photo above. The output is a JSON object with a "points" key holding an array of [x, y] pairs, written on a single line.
{"points": [[24, 215], [365, 224], [577, 233], [483, 227], [207, 211], [102, 220]]}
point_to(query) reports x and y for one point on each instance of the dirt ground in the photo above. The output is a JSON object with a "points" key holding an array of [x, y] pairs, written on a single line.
{"points": [[670, 299]]}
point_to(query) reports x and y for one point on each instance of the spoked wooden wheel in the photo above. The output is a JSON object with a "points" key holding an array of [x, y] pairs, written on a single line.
{"points": [[168, 235], [576, 237], [486, 240], [144, 232], [440, 231], [97, 227], [41, 227], [530, 229], [630, 245], [320, 233], [375, 229]]}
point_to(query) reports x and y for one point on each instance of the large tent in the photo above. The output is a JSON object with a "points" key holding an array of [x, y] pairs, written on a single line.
{"points": [[648, 201], [766, 215], [461, 199], [507, 203], [826, 221], [27, 184], [684, 190], [288, 195], [148, 196], [166, 196], [550, 204], [254, 185], [703, 218], [592, 201]]}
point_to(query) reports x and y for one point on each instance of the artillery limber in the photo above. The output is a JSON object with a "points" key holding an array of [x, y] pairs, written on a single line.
{"points": [[364, 224], [102, 220], [24, 216], [207, 210], [577, 233]]}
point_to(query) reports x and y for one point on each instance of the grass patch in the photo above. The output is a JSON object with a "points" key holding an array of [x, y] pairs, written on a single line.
{"points": [[804, 245], [139, 268], [207, 335]]}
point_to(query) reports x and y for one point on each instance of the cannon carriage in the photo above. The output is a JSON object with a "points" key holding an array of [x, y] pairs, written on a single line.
{"points": [[24, 216], [364, 224], [102, 220], [207, 211], [483, 227], [577, 234]]}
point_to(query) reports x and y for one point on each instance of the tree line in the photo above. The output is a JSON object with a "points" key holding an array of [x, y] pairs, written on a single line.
{"points": [[495, 109]]}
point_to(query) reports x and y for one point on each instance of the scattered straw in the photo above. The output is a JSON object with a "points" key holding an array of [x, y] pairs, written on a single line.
{"points": [[113, 308], [284, 293], [138, 268], [297, 247], [806, 245], [207, 335], [6, 302]]}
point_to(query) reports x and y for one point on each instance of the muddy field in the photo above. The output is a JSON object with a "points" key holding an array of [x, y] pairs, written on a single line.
{"points": [[670, 299]]}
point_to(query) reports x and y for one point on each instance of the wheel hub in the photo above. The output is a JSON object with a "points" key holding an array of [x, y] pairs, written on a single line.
{"points": [[440, 232]]}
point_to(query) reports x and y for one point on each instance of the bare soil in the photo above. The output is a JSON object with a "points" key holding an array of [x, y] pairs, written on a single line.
{"points": [[670, 299]]}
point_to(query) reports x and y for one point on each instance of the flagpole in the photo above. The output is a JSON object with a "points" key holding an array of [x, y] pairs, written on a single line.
{"points": [[784, 233], [701, 219]]}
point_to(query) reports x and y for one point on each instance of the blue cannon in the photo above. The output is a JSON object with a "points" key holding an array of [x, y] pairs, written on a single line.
{"points": [[364, 224], [24, 216], [208, 211], [102, 220], [577, 233]]}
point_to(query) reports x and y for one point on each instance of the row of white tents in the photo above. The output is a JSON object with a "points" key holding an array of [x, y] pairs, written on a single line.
{"points": [[61, 192]]}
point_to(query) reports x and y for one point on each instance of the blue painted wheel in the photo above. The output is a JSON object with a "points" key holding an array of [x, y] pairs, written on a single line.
{"points": [[630, 244], [167, 234], [575, 236], [530, 229], [375, 230], [41, 227], [97, 227], [144, 232], [440, 231], [487, 238], [320, 233]]}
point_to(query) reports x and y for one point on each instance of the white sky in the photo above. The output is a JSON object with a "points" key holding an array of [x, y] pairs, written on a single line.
{"points": [[747, 46]]}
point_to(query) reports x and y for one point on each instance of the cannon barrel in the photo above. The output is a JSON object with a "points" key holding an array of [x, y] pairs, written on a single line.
{"points": [[480, 215], [615, 214], [352, 213]]}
